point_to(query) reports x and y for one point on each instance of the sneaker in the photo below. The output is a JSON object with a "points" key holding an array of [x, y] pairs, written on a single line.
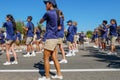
{"points": [[43, 78], [33, 54], [17, 51], [73, 53], [57, 77], [110, 53], [69, 55], [63, 61], [7, 63], [27, 55], [14, 62], [95, 46], [20, 50], [51, 62]]}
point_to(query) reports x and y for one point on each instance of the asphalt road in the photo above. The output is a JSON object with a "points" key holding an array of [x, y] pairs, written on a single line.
{"points": [[100, 64]]}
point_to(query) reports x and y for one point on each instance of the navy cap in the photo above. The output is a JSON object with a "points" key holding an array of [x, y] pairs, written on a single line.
{"points": [[52, 1], [69, 21]]}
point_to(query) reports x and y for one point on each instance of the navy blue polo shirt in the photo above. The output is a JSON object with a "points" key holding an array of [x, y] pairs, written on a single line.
{"points": [[51, 24], [113, 30], [9, 30], [30, 32]]}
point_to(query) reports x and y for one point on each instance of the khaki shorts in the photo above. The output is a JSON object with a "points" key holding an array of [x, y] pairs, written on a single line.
{"points": [[113, 39], [69, 43], [51, 44], [29, 40], [9, 42], [75, 38], [103, 40], [60, 41], [17, 42]]}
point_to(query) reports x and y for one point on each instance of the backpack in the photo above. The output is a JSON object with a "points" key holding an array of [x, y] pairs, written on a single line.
{"points": [[58, 17], [32, 28]]}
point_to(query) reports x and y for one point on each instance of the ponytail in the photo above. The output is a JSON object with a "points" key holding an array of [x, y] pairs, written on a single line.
{"points": [[13, 21]]}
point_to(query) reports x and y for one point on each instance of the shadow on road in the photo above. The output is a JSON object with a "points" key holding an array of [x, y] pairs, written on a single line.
{"points": [[40, 66], [113, 61]]}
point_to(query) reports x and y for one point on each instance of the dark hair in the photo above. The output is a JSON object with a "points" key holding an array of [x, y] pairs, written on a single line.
{"points": [[61, 13], [11, 18], [104, 21], [29, 17], [113, 21]]}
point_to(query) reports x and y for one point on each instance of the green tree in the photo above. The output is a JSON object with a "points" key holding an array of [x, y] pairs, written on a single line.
{"points": [[89, 34], [19, 26]]}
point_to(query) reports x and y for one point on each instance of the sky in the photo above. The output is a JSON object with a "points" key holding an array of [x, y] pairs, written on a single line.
{"points": [[88, 13]]}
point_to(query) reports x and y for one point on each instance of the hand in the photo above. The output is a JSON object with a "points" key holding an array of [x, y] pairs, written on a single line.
{"points": [[59, 27]]}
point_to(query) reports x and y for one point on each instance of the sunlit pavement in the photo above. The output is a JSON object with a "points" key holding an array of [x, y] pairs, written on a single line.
{"points": [[88, 64]]}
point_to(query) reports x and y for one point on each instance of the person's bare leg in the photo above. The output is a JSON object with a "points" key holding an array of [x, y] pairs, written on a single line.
{"points": [[28, 48], [37, 46], [57, 65], [13, 51], [112, 48], [7, 52], [62, 50], [46, 63]]}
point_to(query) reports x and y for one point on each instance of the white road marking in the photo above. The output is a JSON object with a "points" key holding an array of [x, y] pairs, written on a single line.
{"points": [[65, 70]]}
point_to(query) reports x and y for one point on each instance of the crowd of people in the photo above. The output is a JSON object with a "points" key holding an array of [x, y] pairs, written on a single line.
{"points": [[48, 44], [52, 40], [106, 35]]}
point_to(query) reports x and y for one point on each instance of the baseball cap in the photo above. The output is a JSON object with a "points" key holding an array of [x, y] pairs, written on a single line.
{"points": [[51, 1]]}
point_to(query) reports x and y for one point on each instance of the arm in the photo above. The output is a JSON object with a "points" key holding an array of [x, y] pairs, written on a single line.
{"points": [[42, 20], [25, 28]]}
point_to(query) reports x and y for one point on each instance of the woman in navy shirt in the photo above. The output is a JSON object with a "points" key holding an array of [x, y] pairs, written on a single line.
{"points": [[113, 36], [10, 26], [51, 39]]}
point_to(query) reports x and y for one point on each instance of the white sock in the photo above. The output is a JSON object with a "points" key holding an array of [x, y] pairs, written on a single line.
{"points": [[28, 52]]}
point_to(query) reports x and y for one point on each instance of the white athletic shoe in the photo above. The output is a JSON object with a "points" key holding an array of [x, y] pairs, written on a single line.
{"points": [[64, 61], [111, 53], [51, 62], [57, 77], [33, 54], [69, 55], [14, 62], [17, 51], [27, 55], [20, 50], [95, 46], [7, 63], [73, 53], [44, 78]]}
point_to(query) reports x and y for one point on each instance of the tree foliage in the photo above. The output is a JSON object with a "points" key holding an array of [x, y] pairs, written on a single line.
{"points": [[19, 26], [89, 34]]}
